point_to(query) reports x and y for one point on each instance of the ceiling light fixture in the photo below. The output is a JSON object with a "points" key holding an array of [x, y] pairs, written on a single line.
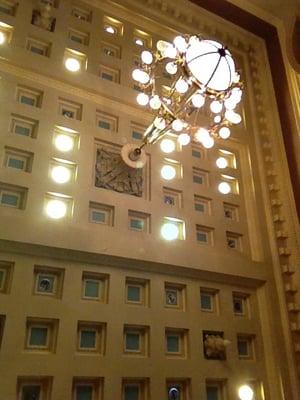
{"points": [[203, 76]]}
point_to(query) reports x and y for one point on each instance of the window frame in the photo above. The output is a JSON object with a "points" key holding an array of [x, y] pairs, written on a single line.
{"points": [[48, 339]]}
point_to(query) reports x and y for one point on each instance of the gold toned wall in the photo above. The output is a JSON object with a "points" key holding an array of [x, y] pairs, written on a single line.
{"points": [[262, 270]]}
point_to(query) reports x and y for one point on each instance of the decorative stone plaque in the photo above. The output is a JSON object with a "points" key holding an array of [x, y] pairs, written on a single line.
{"points": [[112, 173]]}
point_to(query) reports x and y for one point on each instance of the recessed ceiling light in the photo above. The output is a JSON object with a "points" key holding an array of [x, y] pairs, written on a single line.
{"points": [[56, 209], [64, 142], [72, 64], [60, 174]]}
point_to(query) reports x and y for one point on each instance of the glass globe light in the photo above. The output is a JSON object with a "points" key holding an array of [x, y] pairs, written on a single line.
{"points": [[72, 64], [170, 51], [142, 99], [224, 188], [216, 107], [210, 63], [171, 68], [180, 43], [169, 231], [224, 132], [2, 38], [159, 123], [222, 163], [167, 145], [168, 172], [155, 102], [236, 78], [233, 117], [64, 142], [177, 125], [181, 86], [140, 76], [61, 174], [184, 139], [208, 142], [147, 57], [56, 209], [201, 135], [230, 104], [161, 45], [217, 119], [198, 100], [245, 392], [236, 94]]}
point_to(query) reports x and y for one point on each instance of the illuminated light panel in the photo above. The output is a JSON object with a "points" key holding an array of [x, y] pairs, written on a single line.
{"points": [[168, 172], [167, 145], [56, 209], [245, 393], [72, 64], [64, 142], [222, 162], [61, 174], [169, 231], [224, 188]]}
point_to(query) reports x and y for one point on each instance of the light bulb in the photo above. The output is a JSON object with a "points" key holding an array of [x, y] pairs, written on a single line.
{"points": [[177, 125], [216, 106], [171, 68], [60, 174], [236, 94], [184, 139], [201, 135], [233, 117], [245, 392], [155, 102], [167, 145], [224, 132], [170, 52], [56, 209], [147, 57], [230, 104], [110, 29], [167, 100], [142, 99], [139, 42], [159, 123], [198, 100], [2, 38], [217, 119], [208, 142], [64, 142], [140, 76], [222, 162], [180, 43], [161, 45], [181, 86], [168, 172], [224, 188], [169, 231], [72, 64]]}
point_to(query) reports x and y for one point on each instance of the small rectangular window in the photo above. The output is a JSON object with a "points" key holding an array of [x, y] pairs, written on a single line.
{"points": [[41, 334], [215, 390], [29, 96], [240, 304], [101, 213], [245, 346], [175, 296], [94, 286], [234, 241], [48, 281], [112, 27], [181, 387], [137, 135], [137, 291], [79, 37], [136, 340], [18, 159], [69, 109], [142, 39], [176, 342], [231, 211], [137, 131], [107, 121], [87, 388], [82, 14], [208, 300], [6, 269], [204, 235], [110, 50], [12, 196], [138, 221], [38, 47], [197, 152], [172, 197], [109, 74], [200, 176], [202, 204], [36, 388], [91, 336], [23, 126]]}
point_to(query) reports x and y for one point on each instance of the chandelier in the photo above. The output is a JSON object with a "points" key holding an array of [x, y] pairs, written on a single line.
{"points": [[199, 102]]}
